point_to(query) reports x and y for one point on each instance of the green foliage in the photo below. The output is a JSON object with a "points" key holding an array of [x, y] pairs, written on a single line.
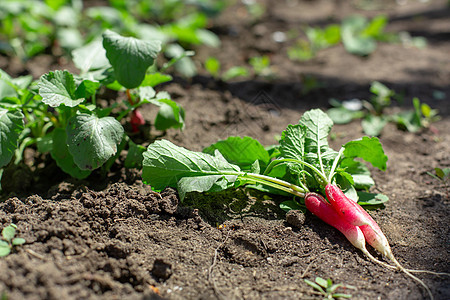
{"points": [[358, 34], [372, 112], [129, 57], [9, 240], [302, 162], [30, 27], [212, 65], [59, 112], [261, 66], [11, 124], [327, 289], [318, 39], [441, 174]]}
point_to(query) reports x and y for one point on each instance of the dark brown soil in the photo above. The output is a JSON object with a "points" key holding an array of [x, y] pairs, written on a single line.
{"points": [[116, 239]]}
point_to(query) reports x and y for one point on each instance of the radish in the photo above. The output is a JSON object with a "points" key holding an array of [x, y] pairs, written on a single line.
{"points": [[318, 206], [136, 120], [349, 210]]}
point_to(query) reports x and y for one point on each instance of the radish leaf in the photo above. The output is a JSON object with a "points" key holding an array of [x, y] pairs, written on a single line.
{"points": [[11, 126], [318, 126], [57, 88], [90, 57], [60, 153], [243, 152], [130, 57], [369, 149], [92, 140], [165, 164]]}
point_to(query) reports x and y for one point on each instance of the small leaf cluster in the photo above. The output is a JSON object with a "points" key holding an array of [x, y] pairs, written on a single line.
{"points": [[358, 34], [327, 289], [259, 66], [441, 174], [373, 116], [59, 113], [9, 240]]}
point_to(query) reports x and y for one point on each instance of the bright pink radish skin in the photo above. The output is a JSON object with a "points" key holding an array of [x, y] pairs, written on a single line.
{"points": [[317, 205], [351, 211]]}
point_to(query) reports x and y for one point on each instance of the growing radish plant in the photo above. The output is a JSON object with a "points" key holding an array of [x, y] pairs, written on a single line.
{"points": [[60, 114], [327, 289], [9, 240], [303, 165], [373, 114]]}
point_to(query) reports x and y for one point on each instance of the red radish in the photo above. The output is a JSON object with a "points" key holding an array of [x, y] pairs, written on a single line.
{"points": [[353, 213], [136, 120], [317, 205]]}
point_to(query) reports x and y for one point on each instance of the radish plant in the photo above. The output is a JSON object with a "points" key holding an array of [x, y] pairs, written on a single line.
{"points": [[302, 165], [59, 114], [9, 240], [327, 289], [373, 112]]}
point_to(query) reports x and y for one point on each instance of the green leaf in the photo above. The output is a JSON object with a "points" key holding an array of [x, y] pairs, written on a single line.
{"points": [[146, 93], [208, 38], [57, 88], [369, 149], [340, 115], [318, 126], [134, 156], [212, 183], [170, 115], [316, 286], [292, 142], [45, 144], [155, 78], [129, 57], [373, 125], [439, 172], [353, 38], [6, 86], [292, 205], [241, 151], [90, 57], [322, 282], [339, 295], [233, 72], [9, 232], [165, 164], [92, 140], [375, 27], [181, 60], [359, 172], [5, 249], [87, 88], [256, 167], [11, 126], [365, 198], [60, 153], [212, 65], [18, 241]]}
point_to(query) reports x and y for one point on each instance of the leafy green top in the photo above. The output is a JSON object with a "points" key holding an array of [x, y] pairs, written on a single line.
{"points": [[304, 163]]}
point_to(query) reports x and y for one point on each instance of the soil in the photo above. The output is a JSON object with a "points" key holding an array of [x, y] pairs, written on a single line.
{"points": [[113, 238]]}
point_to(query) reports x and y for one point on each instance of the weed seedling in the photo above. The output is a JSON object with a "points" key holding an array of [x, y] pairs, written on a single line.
{"points": [[328, 289], [9, 241]]}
